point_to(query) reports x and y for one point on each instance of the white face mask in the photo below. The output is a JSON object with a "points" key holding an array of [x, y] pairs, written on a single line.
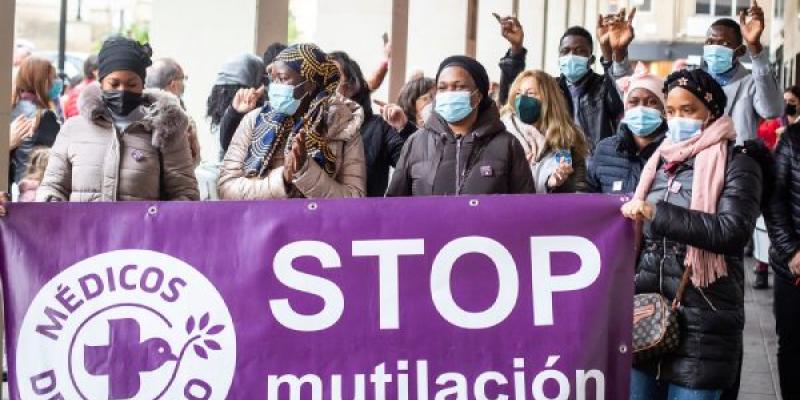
{"points": [[426, 113]]}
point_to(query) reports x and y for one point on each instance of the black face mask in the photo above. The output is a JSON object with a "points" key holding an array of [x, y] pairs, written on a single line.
{"points": [[791, 109], [121, 102]]}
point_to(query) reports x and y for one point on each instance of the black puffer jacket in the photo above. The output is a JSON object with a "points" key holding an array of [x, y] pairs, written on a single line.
{"points": [[382, 147], [782, 213], [617, 163], [711, 319], [488, 160]]}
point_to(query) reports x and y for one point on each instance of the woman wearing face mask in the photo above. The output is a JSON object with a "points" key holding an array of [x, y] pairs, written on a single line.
{"points": [[464, 147], [35, 89], [618, 160], [304, 142], [557, 157], [698, 199], [771, 130], [127, 143], [383, 137]]}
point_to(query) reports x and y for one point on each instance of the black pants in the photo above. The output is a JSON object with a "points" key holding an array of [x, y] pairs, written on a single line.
{"points": [[787, 323]]}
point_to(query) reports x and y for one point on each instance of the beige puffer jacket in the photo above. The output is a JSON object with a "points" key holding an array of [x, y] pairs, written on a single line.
{"points": [[151, 160], [344, 121]]}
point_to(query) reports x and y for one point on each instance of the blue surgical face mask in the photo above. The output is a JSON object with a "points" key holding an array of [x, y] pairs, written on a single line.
{"points": [[718, 58], [642, 121], [454, 106], [56, 89], [281, 98], [573, 67], [681, 129]]}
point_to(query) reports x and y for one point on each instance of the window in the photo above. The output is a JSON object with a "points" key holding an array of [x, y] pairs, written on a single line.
{"points": [[720, 8], [723, 8], [703, 7], [643, 5], [778, 6]]}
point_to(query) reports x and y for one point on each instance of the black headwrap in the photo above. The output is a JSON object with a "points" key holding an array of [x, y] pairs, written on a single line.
{"points": [[123, 54], [702, 85], [475, 69]]}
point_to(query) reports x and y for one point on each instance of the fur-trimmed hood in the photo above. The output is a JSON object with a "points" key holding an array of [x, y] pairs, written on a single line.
{"points": [[344, 120], [163, 114]]}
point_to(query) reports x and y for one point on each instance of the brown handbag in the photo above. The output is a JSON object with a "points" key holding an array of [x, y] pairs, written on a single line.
{"points": [[655, 323]]}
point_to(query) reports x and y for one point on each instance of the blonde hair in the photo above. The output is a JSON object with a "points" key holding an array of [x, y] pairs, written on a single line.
{"points": [[37, 164], [554, 122], [35, 76]]}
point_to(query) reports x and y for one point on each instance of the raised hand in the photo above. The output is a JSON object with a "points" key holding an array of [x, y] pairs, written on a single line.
{"points": [[393, 115], [615, 33], [296, 158], [512, 31], [21, 129], [246, 100], [752, 23]]}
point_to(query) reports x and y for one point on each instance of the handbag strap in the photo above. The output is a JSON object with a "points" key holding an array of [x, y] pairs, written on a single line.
{"points": [[687, 272]]}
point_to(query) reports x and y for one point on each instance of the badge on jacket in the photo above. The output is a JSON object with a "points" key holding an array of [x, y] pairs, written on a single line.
{"points": [[617, 186], [487, 171]]}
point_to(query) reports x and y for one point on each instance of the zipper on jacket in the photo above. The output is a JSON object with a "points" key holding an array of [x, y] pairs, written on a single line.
{"points": [[458, 166], [664, 242], [707, 299]]}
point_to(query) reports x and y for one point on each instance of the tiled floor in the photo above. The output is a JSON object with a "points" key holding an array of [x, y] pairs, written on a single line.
{"points": [[760, 370]]}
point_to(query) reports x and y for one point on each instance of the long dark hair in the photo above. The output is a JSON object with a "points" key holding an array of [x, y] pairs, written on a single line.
{"points": [[351, 73]]}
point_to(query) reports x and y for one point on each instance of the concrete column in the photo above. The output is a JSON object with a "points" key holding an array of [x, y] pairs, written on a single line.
{"points": [[6, 58], [272, 23], [471, 38], [201, 39], [532, 15], [399, 39]]}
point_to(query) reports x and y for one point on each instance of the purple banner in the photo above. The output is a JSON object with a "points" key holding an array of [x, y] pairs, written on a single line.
{"points": [[509, 297]]}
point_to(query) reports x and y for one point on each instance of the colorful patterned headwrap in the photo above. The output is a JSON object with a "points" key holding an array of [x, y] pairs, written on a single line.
{"points": [[274, 130]]}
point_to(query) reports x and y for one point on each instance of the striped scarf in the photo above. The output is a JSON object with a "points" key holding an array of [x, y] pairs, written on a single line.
{"points": [[275, 130]]}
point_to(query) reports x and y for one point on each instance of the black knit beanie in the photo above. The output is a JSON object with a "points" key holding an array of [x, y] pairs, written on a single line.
{"points": [[123, 54]]}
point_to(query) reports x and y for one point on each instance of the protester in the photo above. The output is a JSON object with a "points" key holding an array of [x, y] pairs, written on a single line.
{"points": [[247, 99], [304, 142], [593, 99], [166, 74], [416, 99], [618, 160], [243, 72], [34, 90], [383, 139], [752, 95], [22, 50], [782, 215], [33, 177], [127, 144], [89, 76], [557, 156], [699, 199], [770, 131], [464, 147]]}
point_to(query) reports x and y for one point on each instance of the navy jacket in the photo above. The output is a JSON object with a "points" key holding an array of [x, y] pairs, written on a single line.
{"points": [[616, 164]]}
